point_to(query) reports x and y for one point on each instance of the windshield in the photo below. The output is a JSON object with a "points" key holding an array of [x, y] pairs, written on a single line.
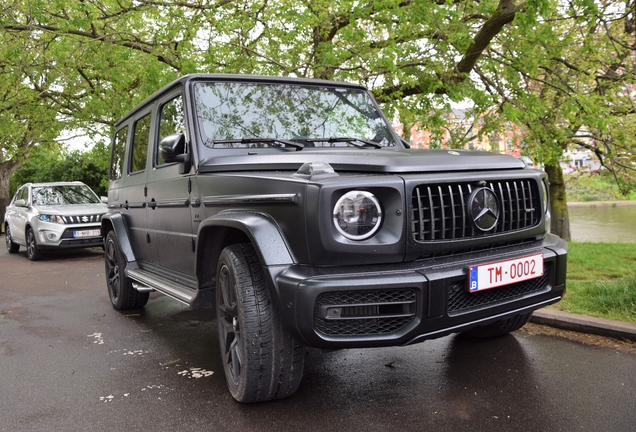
{"points": [[61, 195], [311, 115]]}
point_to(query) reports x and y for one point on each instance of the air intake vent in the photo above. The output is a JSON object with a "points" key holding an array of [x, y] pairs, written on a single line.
{"points": [[461, 301], [364, 313], [440, 211]]}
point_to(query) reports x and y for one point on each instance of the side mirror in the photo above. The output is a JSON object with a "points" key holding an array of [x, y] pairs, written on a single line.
{"points": [[20, 203], [172, 149], [104, 199]]}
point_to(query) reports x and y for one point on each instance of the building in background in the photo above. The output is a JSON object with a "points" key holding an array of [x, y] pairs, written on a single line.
{"points": [[464, 131]]}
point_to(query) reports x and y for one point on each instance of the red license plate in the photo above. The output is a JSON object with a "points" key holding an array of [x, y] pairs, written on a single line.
{"points": [[493, 275]]}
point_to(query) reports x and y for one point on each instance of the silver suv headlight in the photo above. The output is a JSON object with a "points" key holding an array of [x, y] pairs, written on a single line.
{"points": [[357, 215], [51, 218]]}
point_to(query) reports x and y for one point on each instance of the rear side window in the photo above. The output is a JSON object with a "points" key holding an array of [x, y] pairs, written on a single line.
{"points": [[171, 121], [139, 148], [117, 156]]}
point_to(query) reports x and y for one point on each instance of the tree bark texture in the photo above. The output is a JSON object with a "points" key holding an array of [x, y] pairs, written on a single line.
{"points": [[560, 223], [6, 169]]}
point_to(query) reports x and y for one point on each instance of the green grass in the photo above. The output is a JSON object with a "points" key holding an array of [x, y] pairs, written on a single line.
{"points": [[593, 186], [601, 280]]}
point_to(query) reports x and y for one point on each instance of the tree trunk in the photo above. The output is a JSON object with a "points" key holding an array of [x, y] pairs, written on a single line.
{"points": [[560, 224], [6, 169]]}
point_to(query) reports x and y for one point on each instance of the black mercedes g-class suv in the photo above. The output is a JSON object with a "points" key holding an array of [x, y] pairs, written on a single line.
{"points": [[292, 208]]}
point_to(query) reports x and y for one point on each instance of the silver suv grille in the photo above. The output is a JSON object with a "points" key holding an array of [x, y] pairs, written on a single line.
{"points": [[440, 210], [82, 219]]}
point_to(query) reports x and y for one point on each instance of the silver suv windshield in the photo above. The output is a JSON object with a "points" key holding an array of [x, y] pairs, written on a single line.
{"points": [[233, 115], [63, 195]]}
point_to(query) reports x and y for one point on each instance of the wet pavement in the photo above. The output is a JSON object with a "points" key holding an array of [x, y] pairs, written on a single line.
{"points": [[68, 361]]}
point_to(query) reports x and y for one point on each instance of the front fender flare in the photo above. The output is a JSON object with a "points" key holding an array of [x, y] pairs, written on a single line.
{"points": [[229, 227], [262, 231]]}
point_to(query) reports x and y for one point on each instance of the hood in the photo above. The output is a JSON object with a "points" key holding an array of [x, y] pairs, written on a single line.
{"points": [[72, 209], [364, 160]]}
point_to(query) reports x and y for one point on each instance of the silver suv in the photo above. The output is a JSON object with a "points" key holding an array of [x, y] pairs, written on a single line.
{"points": [[51, 216]]}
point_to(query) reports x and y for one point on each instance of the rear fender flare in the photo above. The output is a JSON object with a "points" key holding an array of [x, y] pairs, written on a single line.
{"points": [[117, 223]]}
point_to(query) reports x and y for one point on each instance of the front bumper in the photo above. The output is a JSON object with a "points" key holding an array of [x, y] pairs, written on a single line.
{"points": [[385, 305], [54, 237]]}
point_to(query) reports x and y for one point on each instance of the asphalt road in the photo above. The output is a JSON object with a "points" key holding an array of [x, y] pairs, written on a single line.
{"points": [[69, 362]]}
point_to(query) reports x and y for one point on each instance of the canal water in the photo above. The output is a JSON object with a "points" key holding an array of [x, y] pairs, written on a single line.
{"points": [[603, 224]]}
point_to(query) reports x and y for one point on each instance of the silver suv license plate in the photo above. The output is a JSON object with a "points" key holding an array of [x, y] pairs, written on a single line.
{"points": [[87, 233]]}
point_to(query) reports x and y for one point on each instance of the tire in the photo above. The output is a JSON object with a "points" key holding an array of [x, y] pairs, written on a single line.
{"points": [[261, 360], [120, 290], [32, 246], [11, 247], [499, 328]]}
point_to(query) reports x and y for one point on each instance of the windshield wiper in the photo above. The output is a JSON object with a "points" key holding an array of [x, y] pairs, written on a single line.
{"points": [[273, 141], [357, 142]]}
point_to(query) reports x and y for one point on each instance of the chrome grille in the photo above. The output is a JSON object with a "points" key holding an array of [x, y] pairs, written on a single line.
{"points": [[439, 211], [82, 219]]}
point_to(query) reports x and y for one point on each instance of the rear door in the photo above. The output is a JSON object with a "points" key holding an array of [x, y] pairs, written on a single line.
{"points": [[128, 192]]}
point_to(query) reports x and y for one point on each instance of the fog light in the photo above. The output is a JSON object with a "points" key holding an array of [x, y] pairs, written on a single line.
{"points": [[51, 236]]}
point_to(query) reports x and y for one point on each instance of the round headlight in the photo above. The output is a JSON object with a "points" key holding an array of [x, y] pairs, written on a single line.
{"points": [[546, 205], [357, 215], [546, 202]]}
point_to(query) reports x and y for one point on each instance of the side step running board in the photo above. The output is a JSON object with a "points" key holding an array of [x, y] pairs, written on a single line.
{"points": [[166, 286]]}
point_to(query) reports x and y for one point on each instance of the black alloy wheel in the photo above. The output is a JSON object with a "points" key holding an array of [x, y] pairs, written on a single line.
{"points": [[11, 247], [261, 360], [32, 246], [120, 290]]}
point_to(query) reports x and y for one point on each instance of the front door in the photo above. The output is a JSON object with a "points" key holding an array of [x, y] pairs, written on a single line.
{"points": [[17, 217], [168, 198]]}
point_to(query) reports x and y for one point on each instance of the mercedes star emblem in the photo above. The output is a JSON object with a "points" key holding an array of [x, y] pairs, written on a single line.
{"points": [[483, 208]]}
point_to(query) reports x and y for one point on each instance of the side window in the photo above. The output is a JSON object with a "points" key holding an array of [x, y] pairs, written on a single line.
{"points": [[139, 148], [117, 155], [22, 194], [171, 121], [17, 195]]}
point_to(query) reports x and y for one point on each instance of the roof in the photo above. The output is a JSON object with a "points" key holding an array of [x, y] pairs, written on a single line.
{"points": [[73, 183]]}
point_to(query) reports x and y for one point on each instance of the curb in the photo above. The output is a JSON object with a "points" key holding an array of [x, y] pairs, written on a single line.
{"points": [[585, 324], [579, 204]]}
